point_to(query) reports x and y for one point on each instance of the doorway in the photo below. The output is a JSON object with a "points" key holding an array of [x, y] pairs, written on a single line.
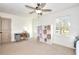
{"points": [[5, 30]]}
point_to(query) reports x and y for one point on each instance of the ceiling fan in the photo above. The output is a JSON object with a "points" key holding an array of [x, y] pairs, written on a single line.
{"points": [[38, 9]]}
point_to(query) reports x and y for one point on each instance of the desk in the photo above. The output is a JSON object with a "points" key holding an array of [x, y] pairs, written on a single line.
{"points": [[21, 36]]}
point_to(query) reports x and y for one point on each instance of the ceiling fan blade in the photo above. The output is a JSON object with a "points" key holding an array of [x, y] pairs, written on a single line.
{"points": [[29, 7], [31, 12], [46, 10], [42, 5]]}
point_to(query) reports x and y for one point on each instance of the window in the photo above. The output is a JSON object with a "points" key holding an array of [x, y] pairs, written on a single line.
{"points": [[63, 25]]}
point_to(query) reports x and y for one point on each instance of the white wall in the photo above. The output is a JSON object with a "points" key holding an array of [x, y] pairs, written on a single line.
{"points": [[74, 28], [34, 25], [18, 23]]}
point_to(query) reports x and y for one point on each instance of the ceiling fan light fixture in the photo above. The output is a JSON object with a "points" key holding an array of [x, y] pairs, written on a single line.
{"points": [[38, 11]]}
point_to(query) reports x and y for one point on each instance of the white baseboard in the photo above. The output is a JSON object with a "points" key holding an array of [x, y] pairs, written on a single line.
{"points": [[63, 45]]}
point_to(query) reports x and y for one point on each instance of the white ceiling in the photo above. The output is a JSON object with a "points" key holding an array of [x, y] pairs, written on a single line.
{"points": [[20, 9]]}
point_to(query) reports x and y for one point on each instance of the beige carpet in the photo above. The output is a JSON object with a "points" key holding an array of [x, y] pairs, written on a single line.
{"points": [[30, 47]]}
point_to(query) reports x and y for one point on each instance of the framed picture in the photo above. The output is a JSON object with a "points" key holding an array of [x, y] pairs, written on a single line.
{"points": [[44, 33]]}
